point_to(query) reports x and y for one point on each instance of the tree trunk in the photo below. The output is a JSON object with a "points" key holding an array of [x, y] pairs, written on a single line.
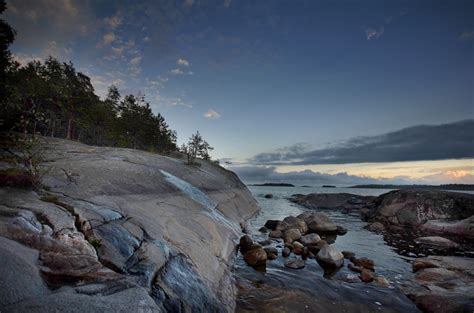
{"points": [[69, 128], [53, 127]]}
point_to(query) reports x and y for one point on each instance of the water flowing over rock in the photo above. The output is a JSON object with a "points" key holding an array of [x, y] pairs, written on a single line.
{"points": [[136, 232]]}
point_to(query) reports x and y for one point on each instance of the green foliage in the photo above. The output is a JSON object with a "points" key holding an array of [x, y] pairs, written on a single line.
{"points": [[196, 147]]}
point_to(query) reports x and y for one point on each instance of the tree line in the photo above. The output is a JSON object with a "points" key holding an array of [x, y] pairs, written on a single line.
{"points": [[52, 98]]}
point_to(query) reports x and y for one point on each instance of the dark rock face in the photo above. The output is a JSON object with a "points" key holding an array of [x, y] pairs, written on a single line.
{"points": [[416, 207]]}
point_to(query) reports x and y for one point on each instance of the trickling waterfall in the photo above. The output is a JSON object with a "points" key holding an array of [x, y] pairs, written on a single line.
{"points": [[201, 198]]}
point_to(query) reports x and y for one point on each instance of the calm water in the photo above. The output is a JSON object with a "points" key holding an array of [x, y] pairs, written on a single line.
{"points": [[287, 288]]}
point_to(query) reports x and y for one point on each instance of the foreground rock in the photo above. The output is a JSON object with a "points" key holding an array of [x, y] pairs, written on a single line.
{"points": [[134, 231], [463, 228], [448, 284]]}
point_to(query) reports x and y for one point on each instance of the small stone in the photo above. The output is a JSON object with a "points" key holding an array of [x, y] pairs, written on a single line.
{"points": [[275, 234], [376, 227], [366, 276], [365, 263], [381, 281], [310, 239], [285, 252], [264, 242], [295, 264], [348, 254], [354, 268], [245, 243], [263, 229], [292, 234], [256, 257], [352, 278], [268, 196], [271, 250]]}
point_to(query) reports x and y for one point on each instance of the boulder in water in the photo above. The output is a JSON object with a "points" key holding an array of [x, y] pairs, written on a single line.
{"points": [[291, 235], [256, 257], [310, 239], [329, 256], [294, 222], [245, 243]]}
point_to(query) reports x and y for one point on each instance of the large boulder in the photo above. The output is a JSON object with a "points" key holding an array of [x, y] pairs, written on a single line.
{"points": [[294, 222], [415, 207], [329, 256], [320, 223]]}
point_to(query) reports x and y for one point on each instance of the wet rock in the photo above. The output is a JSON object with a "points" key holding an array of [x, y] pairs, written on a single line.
{"points": [[289, 245], [271, 250], [276, 225], [341, 230], [291, 235], [320, 223], [297, 248], [364, 262], [263, 229], [376, 227], [256, 257], [268, 196], [354, 268], [285, 252], [437, 242], [271, 256], [275, 234], [245, 243], [381, 281], [264, 242], [348, 254], [352, 278], [329, 256], [310, 239], [295, 264], [294, 222], [366, 276]]}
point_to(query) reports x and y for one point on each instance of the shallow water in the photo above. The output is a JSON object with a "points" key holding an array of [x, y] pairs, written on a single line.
{"points": [[283, 288]]}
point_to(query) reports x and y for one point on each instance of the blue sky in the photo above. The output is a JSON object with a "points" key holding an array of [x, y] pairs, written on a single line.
{"points": [[258, 76]]}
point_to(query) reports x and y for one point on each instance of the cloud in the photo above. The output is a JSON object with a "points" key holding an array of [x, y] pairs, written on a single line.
{"points": [[182, 62], [177, 71], [113, 22], [467, 36], [212, 114], [108, 38], [371, 33], [136, 60], [424, 142], [254, 174]]}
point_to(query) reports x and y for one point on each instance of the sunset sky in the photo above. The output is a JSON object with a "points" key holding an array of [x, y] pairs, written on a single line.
{"points": [[324, 91]]}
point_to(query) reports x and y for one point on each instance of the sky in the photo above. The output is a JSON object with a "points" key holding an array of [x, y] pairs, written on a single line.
{"points": [[323, 91]]}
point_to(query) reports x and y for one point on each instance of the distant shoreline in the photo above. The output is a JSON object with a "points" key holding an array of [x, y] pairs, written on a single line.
{"points": [[273, 185], [465, 187]]}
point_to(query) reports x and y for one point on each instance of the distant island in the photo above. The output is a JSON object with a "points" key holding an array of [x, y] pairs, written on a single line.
{"points": [[329, 186], [273, 185], [466, 187]]}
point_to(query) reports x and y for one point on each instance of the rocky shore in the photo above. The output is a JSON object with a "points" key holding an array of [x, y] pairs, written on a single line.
{"points": [[121, 230], [435, 227]]}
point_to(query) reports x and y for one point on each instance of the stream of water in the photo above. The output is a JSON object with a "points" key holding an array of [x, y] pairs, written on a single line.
{"points": [[281, 289]]}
